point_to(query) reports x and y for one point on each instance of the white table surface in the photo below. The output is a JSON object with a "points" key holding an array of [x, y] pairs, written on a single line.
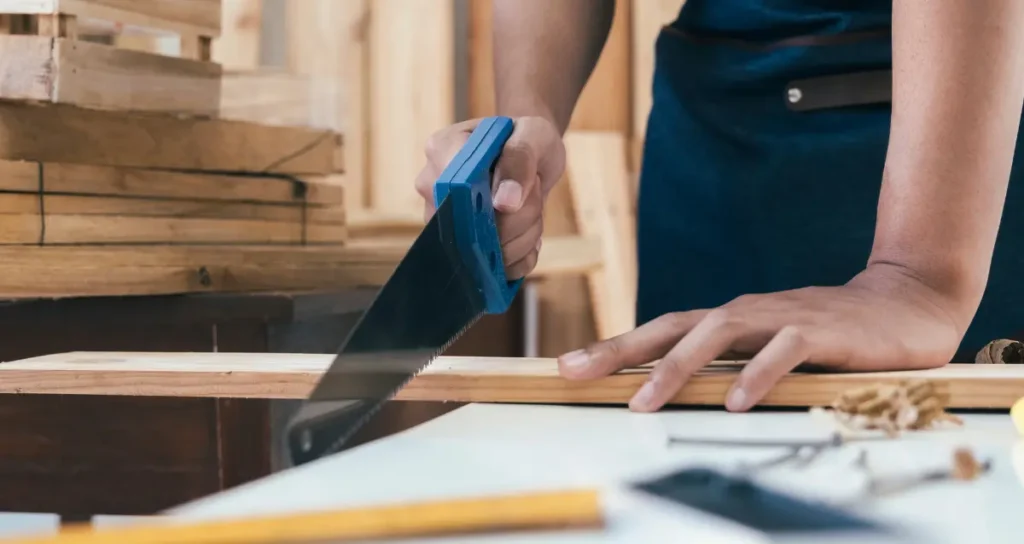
{"points": [[489, 449]]}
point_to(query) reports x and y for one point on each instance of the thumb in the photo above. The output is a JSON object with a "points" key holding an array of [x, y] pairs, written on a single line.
{"points": [[515, 174]]}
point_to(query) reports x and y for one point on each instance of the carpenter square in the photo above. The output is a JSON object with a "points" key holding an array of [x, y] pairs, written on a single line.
{"points": [[452, 275]]}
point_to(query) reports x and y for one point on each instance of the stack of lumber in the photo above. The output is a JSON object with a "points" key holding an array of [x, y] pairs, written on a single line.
{"points": [[117, 166]]}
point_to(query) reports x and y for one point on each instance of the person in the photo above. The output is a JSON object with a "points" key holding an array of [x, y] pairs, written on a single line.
{"points": [[823, 183]]}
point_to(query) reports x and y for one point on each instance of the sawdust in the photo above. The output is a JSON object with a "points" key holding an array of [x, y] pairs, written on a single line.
{"points": [[892, 408]]}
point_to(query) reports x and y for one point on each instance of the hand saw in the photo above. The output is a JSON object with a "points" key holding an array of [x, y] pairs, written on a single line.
{"points": [[452, 275]]}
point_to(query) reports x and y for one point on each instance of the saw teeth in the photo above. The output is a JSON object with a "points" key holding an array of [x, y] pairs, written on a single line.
{"points": [[372, 410]]}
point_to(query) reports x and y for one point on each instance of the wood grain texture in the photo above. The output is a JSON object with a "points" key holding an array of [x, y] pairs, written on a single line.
{"points": [[460, 379], [84, 205], [412, 72], [99, 76], [560, 256], [328, 43], [79, 179], [63, 133], [195, 17], [538, 511], [599, 179], [70, 271], [76, 229], [238, 46]]}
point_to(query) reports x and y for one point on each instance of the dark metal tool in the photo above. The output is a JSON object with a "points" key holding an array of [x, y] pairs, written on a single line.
{"points": [[452, 275]]}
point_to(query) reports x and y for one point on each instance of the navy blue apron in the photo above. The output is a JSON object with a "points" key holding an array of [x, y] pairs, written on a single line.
{"points": [[741, 194]]}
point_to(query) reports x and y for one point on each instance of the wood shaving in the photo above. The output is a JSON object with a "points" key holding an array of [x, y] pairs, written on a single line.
{"points": [[965, 465], [892, 408], [1001, 352]]}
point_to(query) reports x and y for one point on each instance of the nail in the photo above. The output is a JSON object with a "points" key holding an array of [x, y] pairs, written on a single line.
{"points": [[539, 241], [644, 398], [576, 360], [509, 194], [737, 400]]}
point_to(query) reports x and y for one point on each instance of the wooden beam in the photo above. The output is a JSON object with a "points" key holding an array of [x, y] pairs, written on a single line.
{"points": [[461, 379], [328, 43], [75, 229], [92, 75], [61, 133], [560, 256], [86, 205], [74, 271], [80, 179], [195, 17], [599, 183], [412, 83], [238, 46]]}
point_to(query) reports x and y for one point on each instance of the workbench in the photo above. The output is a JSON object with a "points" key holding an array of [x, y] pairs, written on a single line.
{"points": [[484, 449]]}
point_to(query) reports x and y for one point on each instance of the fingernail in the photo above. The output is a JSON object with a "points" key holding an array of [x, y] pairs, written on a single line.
{"points": [[737, 400], [576, 360], [644, 398], [509, 194], [539, 240]]}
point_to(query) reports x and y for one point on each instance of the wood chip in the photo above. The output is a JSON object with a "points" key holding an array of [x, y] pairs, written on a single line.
{"points": [[892, 408]]}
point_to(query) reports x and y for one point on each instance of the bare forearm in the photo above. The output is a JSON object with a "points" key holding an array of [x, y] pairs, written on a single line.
{"points": [[958, 87], [544, 52]]}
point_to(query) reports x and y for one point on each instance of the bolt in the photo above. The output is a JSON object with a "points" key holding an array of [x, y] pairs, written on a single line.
{"points": [[794, 95]]}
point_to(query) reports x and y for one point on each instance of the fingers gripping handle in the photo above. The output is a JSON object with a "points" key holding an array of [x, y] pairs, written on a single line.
{"points": [[467, 182]]}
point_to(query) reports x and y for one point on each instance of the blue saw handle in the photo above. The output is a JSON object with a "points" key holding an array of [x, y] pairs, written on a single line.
{"points": [[466, 181]]}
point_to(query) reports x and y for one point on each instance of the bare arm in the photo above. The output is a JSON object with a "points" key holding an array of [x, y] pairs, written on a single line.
{"points": [[544, 52], [958, 87]]}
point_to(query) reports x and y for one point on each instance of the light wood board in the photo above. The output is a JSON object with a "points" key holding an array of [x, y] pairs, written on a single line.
{"points": [[63, 133], [79, 179], [70, 271], [188, 17], [85, 205], [76, 229], [238, 46], [459, 379], [93, 75], [412, 77]]}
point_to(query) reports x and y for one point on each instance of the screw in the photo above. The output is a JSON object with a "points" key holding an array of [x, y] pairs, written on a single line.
{"points": [[204, 277], [794, 95]]}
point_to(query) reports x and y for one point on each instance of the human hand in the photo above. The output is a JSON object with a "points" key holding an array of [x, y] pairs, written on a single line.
{"points": [[532, 160], [881, 320]]}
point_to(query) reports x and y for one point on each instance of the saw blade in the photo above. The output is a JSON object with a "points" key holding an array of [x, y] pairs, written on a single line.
{"points": [[426, 304]]}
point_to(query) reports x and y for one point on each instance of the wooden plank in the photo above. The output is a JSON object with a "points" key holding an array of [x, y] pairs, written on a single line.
{"points": [[560, 256], [533, 511], [238, 46], [94, 75], [276, 97], [62, 133], [460, 379], [195, 17], [76, 271], [599, 181], [80, 179], [59, 204], [328, 43], [31, 229], [412, 73]]}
